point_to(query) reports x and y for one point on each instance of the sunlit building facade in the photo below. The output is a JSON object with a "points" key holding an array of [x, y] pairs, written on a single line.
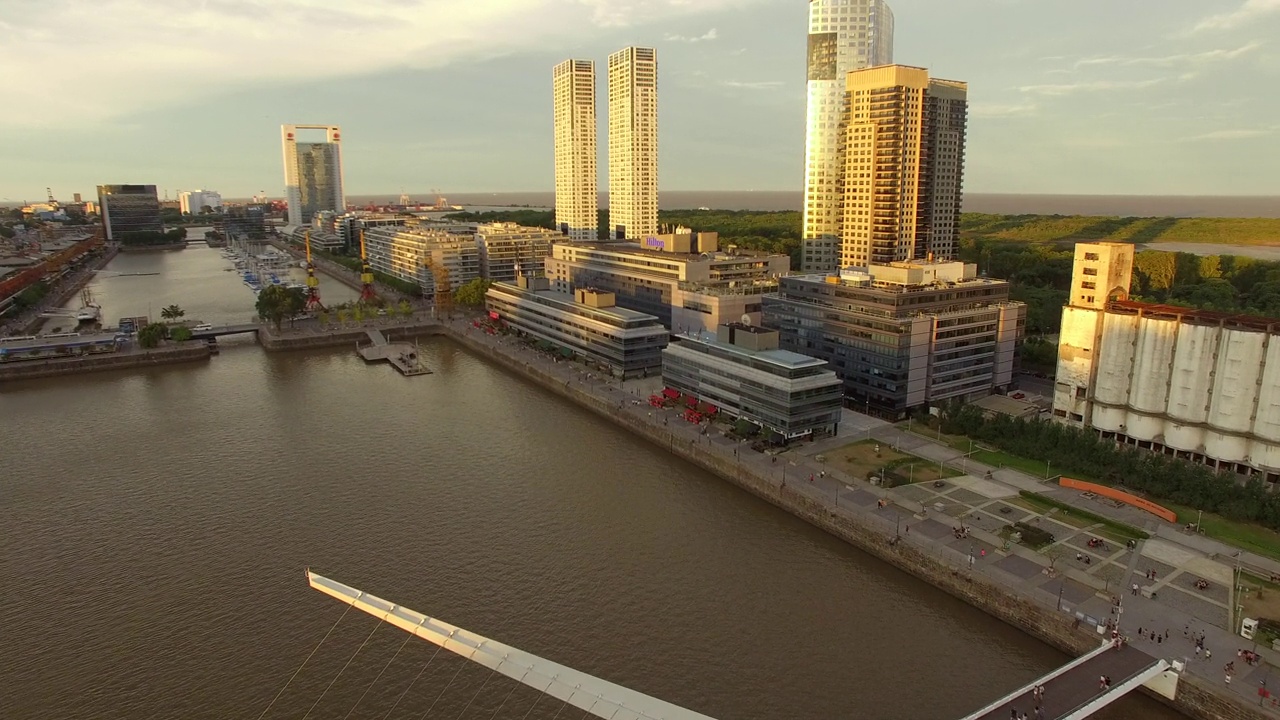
{"points": [[312, 173], [574, 111], [633, 143], [904, 138], [844, 35]]}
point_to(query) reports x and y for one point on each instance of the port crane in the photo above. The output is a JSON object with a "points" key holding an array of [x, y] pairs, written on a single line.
{"points": [[368, 294], [313, 283], [443, 290]]}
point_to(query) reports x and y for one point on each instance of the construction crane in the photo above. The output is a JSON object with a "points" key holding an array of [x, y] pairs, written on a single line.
{"points": [[444, 289], [313, 283], [367, 294], [49, 192]]}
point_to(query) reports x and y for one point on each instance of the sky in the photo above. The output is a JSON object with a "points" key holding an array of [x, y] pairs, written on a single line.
{"points": [[1139, 97]]}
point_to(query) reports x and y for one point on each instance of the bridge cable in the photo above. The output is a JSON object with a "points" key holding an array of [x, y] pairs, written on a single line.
{"points": [[343, 668], [304, 662], [487, 678], [564, 705], [465, 663], [539, 699], [414, 680], [510, 693], [407, 638]]}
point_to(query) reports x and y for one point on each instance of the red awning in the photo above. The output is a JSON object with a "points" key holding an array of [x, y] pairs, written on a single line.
{"points": [[672, 394]]}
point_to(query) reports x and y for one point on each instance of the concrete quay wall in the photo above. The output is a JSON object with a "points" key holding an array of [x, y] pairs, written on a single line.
{"points": [[1195, 698], [55, 367], [286, 340]]}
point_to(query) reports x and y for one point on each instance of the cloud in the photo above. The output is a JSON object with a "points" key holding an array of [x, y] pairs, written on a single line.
{"points": [[997, 110], [1250, 11], [708, 35], [1237, 134], [756, 85], [1171, 60], [1089, 86], [202, 48]]}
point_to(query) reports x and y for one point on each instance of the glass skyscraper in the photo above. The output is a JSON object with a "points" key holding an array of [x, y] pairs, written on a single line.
{"points": [[844, 35], [312, 173]]}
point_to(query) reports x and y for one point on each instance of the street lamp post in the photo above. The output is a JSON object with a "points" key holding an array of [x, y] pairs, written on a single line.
{"points": [[1048, 469]]}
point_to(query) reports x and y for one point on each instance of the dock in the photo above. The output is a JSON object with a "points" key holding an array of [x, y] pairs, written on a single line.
{"points": [[402, 356]]}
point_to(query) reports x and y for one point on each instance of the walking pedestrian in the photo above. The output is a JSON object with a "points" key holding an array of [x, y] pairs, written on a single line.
{"points": [[1135, 589]]}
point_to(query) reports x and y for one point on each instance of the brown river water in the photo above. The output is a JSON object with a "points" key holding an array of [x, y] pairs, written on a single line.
{"points": [[156, 526]]}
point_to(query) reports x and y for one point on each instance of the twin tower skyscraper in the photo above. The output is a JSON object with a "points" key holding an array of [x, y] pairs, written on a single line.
{"points": [[633, 146]]}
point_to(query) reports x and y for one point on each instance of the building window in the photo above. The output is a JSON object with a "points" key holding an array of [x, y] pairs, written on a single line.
{"points": [[1091, 256], [1088, 285], [1091, 271]]}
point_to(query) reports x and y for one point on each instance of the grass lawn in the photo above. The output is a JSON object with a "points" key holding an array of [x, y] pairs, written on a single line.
{"points": [[860, 458], [1249, 536], [998, 459]]}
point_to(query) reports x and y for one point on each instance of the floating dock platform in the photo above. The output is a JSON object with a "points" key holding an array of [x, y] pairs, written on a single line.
{"points": [[402, 356]]}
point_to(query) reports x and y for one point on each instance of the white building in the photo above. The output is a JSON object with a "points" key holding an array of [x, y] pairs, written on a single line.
{"points": [[585, 323], [577, 199], [741, 371], [633, 143], [190, 202], [1204, 386], [508, 250], [844, 35], [312, 173], [414, 253], [682, 278]]}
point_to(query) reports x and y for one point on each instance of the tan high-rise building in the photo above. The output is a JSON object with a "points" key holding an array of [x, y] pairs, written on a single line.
{"points": [[903, 165], [844, 35], [577, 201], [633, 143]]}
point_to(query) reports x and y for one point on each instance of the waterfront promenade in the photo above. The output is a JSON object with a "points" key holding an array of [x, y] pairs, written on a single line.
{"points": [[981, 559]]}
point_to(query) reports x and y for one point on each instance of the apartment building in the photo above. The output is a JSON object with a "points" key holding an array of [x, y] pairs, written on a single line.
{"points": [[574, 117]]}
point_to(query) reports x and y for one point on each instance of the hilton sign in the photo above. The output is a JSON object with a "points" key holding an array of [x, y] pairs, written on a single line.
{"points": [[654, 242]]}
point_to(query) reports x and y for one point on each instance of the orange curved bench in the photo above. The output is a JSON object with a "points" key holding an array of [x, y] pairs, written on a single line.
{"points": [[1124, 497]]}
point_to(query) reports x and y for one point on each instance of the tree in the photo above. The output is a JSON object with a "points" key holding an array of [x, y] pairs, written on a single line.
{"points": [[406, 309], [171, 313], [206, 210], [343, 314], [151, 335], [323, 317], [180, 334], [6, 231], [472, 293], [277, 302]]}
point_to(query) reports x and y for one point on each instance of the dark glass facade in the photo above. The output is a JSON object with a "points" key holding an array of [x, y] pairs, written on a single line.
{"points": [[896, 349], [129, 208]]}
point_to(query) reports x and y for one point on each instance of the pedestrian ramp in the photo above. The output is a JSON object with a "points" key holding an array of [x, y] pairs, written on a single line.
{"points": [[1074, 691], [592, 695]]}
